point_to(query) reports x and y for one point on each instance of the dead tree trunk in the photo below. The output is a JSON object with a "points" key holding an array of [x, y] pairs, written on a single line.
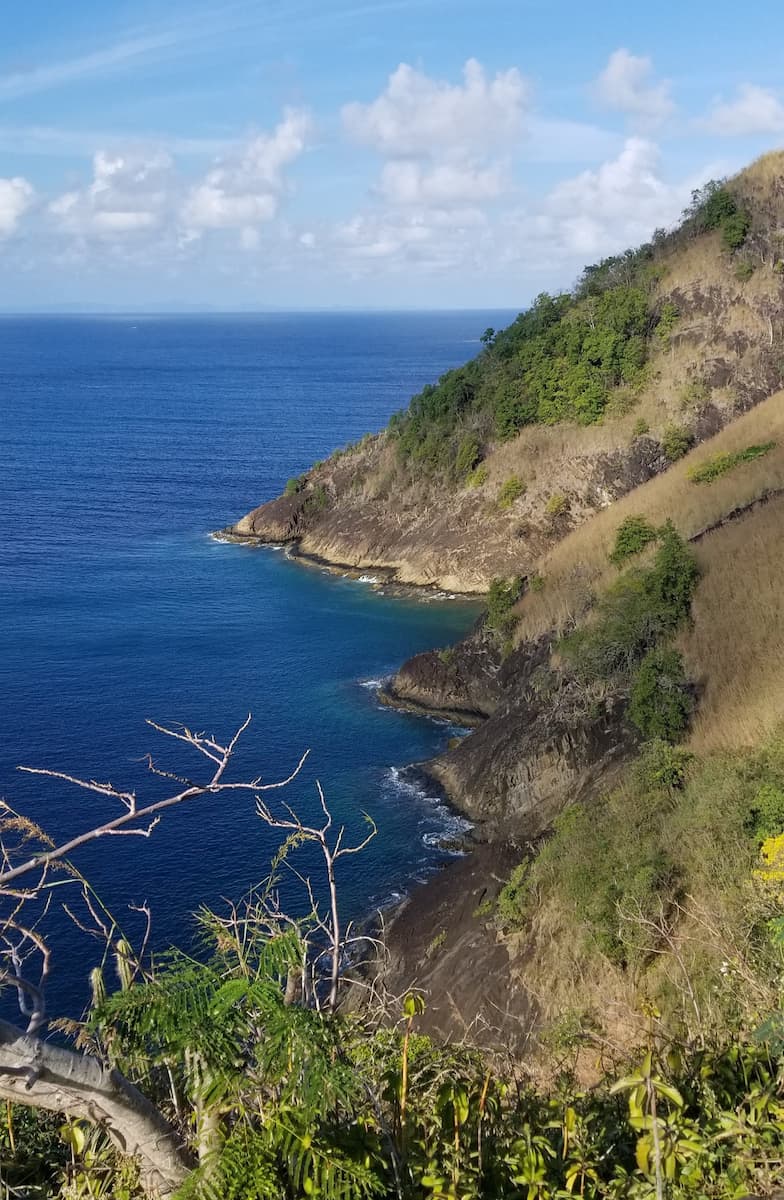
{"points": [[41, 1075]]}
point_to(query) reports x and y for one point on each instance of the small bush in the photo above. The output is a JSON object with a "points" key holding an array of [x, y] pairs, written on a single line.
{"points": [[557, 505], [640, 427], [632, 536], [468, 454], [512, 489], [734, 230], [662, 766], [447, 655], [295, 485], [676, 441], [640, 609], [501, 599], [668, 319], [536, 583], [714, 467], [510, 906], [695, 394], [600, 862], [660, 703], [714, 205], [477, 477], [744, 271], [766, 818]]}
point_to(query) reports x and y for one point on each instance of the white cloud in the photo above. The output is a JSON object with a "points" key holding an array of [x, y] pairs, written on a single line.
{"points": [[16, 196], [428, 239], [627, 85], [245, 191], [419, 116], [129, 193], [602, 211], [441, 141], [753, 110], [406, 181]]}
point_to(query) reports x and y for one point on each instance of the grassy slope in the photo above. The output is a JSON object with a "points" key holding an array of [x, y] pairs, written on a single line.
{"points": [[735, 649]]}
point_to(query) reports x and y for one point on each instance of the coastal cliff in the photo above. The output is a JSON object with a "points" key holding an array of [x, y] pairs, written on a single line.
{"points": [[589, 471]]}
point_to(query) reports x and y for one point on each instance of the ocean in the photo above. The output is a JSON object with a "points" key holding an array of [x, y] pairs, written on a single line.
{"points": [[125, 441]]}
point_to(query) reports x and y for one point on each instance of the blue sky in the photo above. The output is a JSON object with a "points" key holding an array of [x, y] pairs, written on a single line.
{"points": [[360, 153]]}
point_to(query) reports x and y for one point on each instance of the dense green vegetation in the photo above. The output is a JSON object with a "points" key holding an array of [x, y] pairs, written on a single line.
{"points": [[288, 1101], [501, 599], [719, 464], [660, 702], [565, 356], [558, 361], [637, 614], [676, 441], [715, 207], [680, 840], [403, 1119]]}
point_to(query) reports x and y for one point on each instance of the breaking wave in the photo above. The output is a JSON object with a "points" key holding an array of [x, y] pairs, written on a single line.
{"points": [[436, 823]]}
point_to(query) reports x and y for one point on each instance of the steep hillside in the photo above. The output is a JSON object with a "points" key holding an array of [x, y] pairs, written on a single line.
{"points": [[547, 736], [637, 855], [582, 399], [610, 471]]}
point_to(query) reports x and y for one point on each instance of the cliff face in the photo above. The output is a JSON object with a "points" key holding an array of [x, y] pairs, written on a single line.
{"points": [[535, 747], [424, 532], [465, 683]]}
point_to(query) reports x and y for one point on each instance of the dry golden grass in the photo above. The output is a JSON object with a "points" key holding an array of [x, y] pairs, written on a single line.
{"points": [[735, 649], [578, 566]]}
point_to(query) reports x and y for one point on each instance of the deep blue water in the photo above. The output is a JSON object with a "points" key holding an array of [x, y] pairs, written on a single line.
{"points": [[125, 441]]}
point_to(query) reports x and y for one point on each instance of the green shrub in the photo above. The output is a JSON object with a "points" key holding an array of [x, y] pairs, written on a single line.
{"points": [[766, 817], [537, 583], [557, 505], [632, 536], [660, 703], [477, 477], [676, 441], [640, 427], [501, 599], [734, 230], [662, 765], [636, 613], [719, 464], [560, 360], [468, 454], [601, 861], [668, 319], [447, 655], [510, 905], [712, 206], [744, 271], [295, 485], [512, 489], [512, 408]]}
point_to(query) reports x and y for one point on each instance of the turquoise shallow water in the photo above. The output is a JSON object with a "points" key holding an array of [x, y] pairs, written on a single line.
{"points": [[124, 442]]}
